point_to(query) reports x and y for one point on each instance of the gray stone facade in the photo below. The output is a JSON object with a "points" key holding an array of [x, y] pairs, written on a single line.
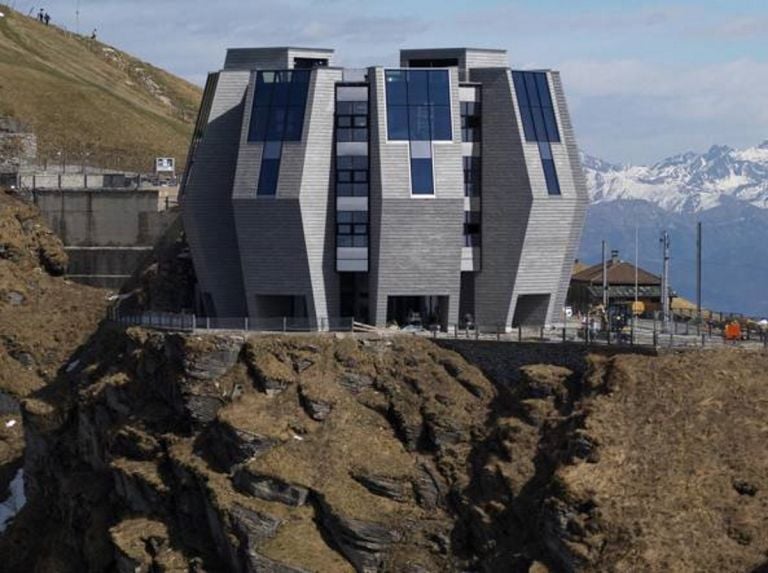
{"points": [[343, 226]]}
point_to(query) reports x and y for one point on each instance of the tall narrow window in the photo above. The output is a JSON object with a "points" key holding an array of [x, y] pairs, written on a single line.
{"points": [[422, 178], [277, 115], [539, 122], [472, 176]]}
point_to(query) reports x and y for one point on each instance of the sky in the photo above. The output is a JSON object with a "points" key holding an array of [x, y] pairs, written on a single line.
{"points": [[644, 80]]}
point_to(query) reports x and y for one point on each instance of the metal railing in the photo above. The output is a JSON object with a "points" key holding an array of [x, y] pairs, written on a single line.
{"points": [[191, 322]]}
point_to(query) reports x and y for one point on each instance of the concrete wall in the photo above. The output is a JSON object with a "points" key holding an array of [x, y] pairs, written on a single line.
{"points": [[104, 217]]}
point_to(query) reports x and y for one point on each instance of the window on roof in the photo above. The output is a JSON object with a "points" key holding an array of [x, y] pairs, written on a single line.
{"points": [[539, 122], [279, 102], [418, 105]]}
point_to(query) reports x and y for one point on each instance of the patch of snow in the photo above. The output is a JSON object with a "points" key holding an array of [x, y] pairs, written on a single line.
{"points": [[16, 500], [71, 366], [10, 423]]}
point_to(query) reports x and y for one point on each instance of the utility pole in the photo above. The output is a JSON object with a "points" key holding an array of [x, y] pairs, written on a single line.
{"points": [[605, 281], [698, 275], [637, 262], [665, 281]]}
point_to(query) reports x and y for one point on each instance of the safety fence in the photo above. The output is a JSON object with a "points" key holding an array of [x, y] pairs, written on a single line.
{"points": [[191, 322], [645, 333]]}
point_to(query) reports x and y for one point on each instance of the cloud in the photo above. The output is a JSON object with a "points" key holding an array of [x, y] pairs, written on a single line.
{"points": [[631, 110]]}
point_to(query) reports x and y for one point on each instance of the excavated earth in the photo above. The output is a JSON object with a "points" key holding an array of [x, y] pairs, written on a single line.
{"points": [[149, 451]]}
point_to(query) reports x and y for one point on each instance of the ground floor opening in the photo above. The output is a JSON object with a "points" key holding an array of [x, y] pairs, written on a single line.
{"points": [[531, 310], [354, 299], [418, 311]]}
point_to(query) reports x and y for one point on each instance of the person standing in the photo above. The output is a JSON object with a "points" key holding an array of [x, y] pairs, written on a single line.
{"points": [[47, 18], [41, 15]]}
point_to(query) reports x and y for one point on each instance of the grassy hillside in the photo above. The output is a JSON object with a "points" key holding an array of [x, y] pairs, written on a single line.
{"points": [[84, 98]]}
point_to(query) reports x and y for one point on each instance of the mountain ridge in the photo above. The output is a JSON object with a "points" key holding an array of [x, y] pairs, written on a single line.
{"points": [[688, 182]]}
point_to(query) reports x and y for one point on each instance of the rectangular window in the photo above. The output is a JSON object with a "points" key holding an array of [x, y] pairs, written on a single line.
{"points": [[352, 126], [471, 229], [279, 103], [351, 121], [470, 121], [472, 176], [270, 168], [352, 229], [418, 105], [548, 164], [536, 108], [421, 177], [539, 121]]}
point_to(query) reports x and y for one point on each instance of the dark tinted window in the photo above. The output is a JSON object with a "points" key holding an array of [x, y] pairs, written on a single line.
{"points": [[270, 169], [351, 228], [418, 105], [421, 177], [471, 229], [279, 101], [441, 123], [397, 122]]}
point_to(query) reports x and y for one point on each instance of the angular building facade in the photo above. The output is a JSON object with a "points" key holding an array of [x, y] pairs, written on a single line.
{"points": [[448, 188]]}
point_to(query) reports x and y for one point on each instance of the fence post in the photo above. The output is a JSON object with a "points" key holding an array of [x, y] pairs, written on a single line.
{"points": [[655, 338], [477, 331], [564, 334], [245, 323], [703, 340], [285, 324], [207, 322], [498, 331], [541, 334], [456, 331], [671, 339], [194, 321], [519, 332]]}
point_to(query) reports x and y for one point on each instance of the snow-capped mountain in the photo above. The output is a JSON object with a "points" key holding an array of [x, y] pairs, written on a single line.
{"points": [[726, 189], [686, 183]]}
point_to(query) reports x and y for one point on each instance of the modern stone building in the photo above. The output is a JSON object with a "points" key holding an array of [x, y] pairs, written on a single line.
{"points": [[447, 187]]}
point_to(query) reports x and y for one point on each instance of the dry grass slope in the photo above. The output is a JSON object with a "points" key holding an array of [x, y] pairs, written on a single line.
{"points": [[83, 97]]}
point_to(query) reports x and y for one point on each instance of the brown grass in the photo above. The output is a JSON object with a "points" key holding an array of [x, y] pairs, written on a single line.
{"points": [[83, 97]]}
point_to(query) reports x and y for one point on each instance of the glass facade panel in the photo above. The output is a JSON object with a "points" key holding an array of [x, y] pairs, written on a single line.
{"points": [[397, 122], [539, 120], [279, 102], [418, 87], [397, 87], [418, 119], [270, 169], [352, 229], [421, 177], [418, 105], [441, 123]]}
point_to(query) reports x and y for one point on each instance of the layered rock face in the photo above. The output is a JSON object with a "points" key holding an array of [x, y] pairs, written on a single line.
{"points": [[293, 454]]}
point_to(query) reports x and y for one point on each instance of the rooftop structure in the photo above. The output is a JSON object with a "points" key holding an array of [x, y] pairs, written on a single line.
{"points": [[445, 190]]}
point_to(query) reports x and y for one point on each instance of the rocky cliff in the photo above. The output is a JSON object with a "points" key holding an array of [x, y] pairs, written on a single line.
{"points": [[178, 452]]}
